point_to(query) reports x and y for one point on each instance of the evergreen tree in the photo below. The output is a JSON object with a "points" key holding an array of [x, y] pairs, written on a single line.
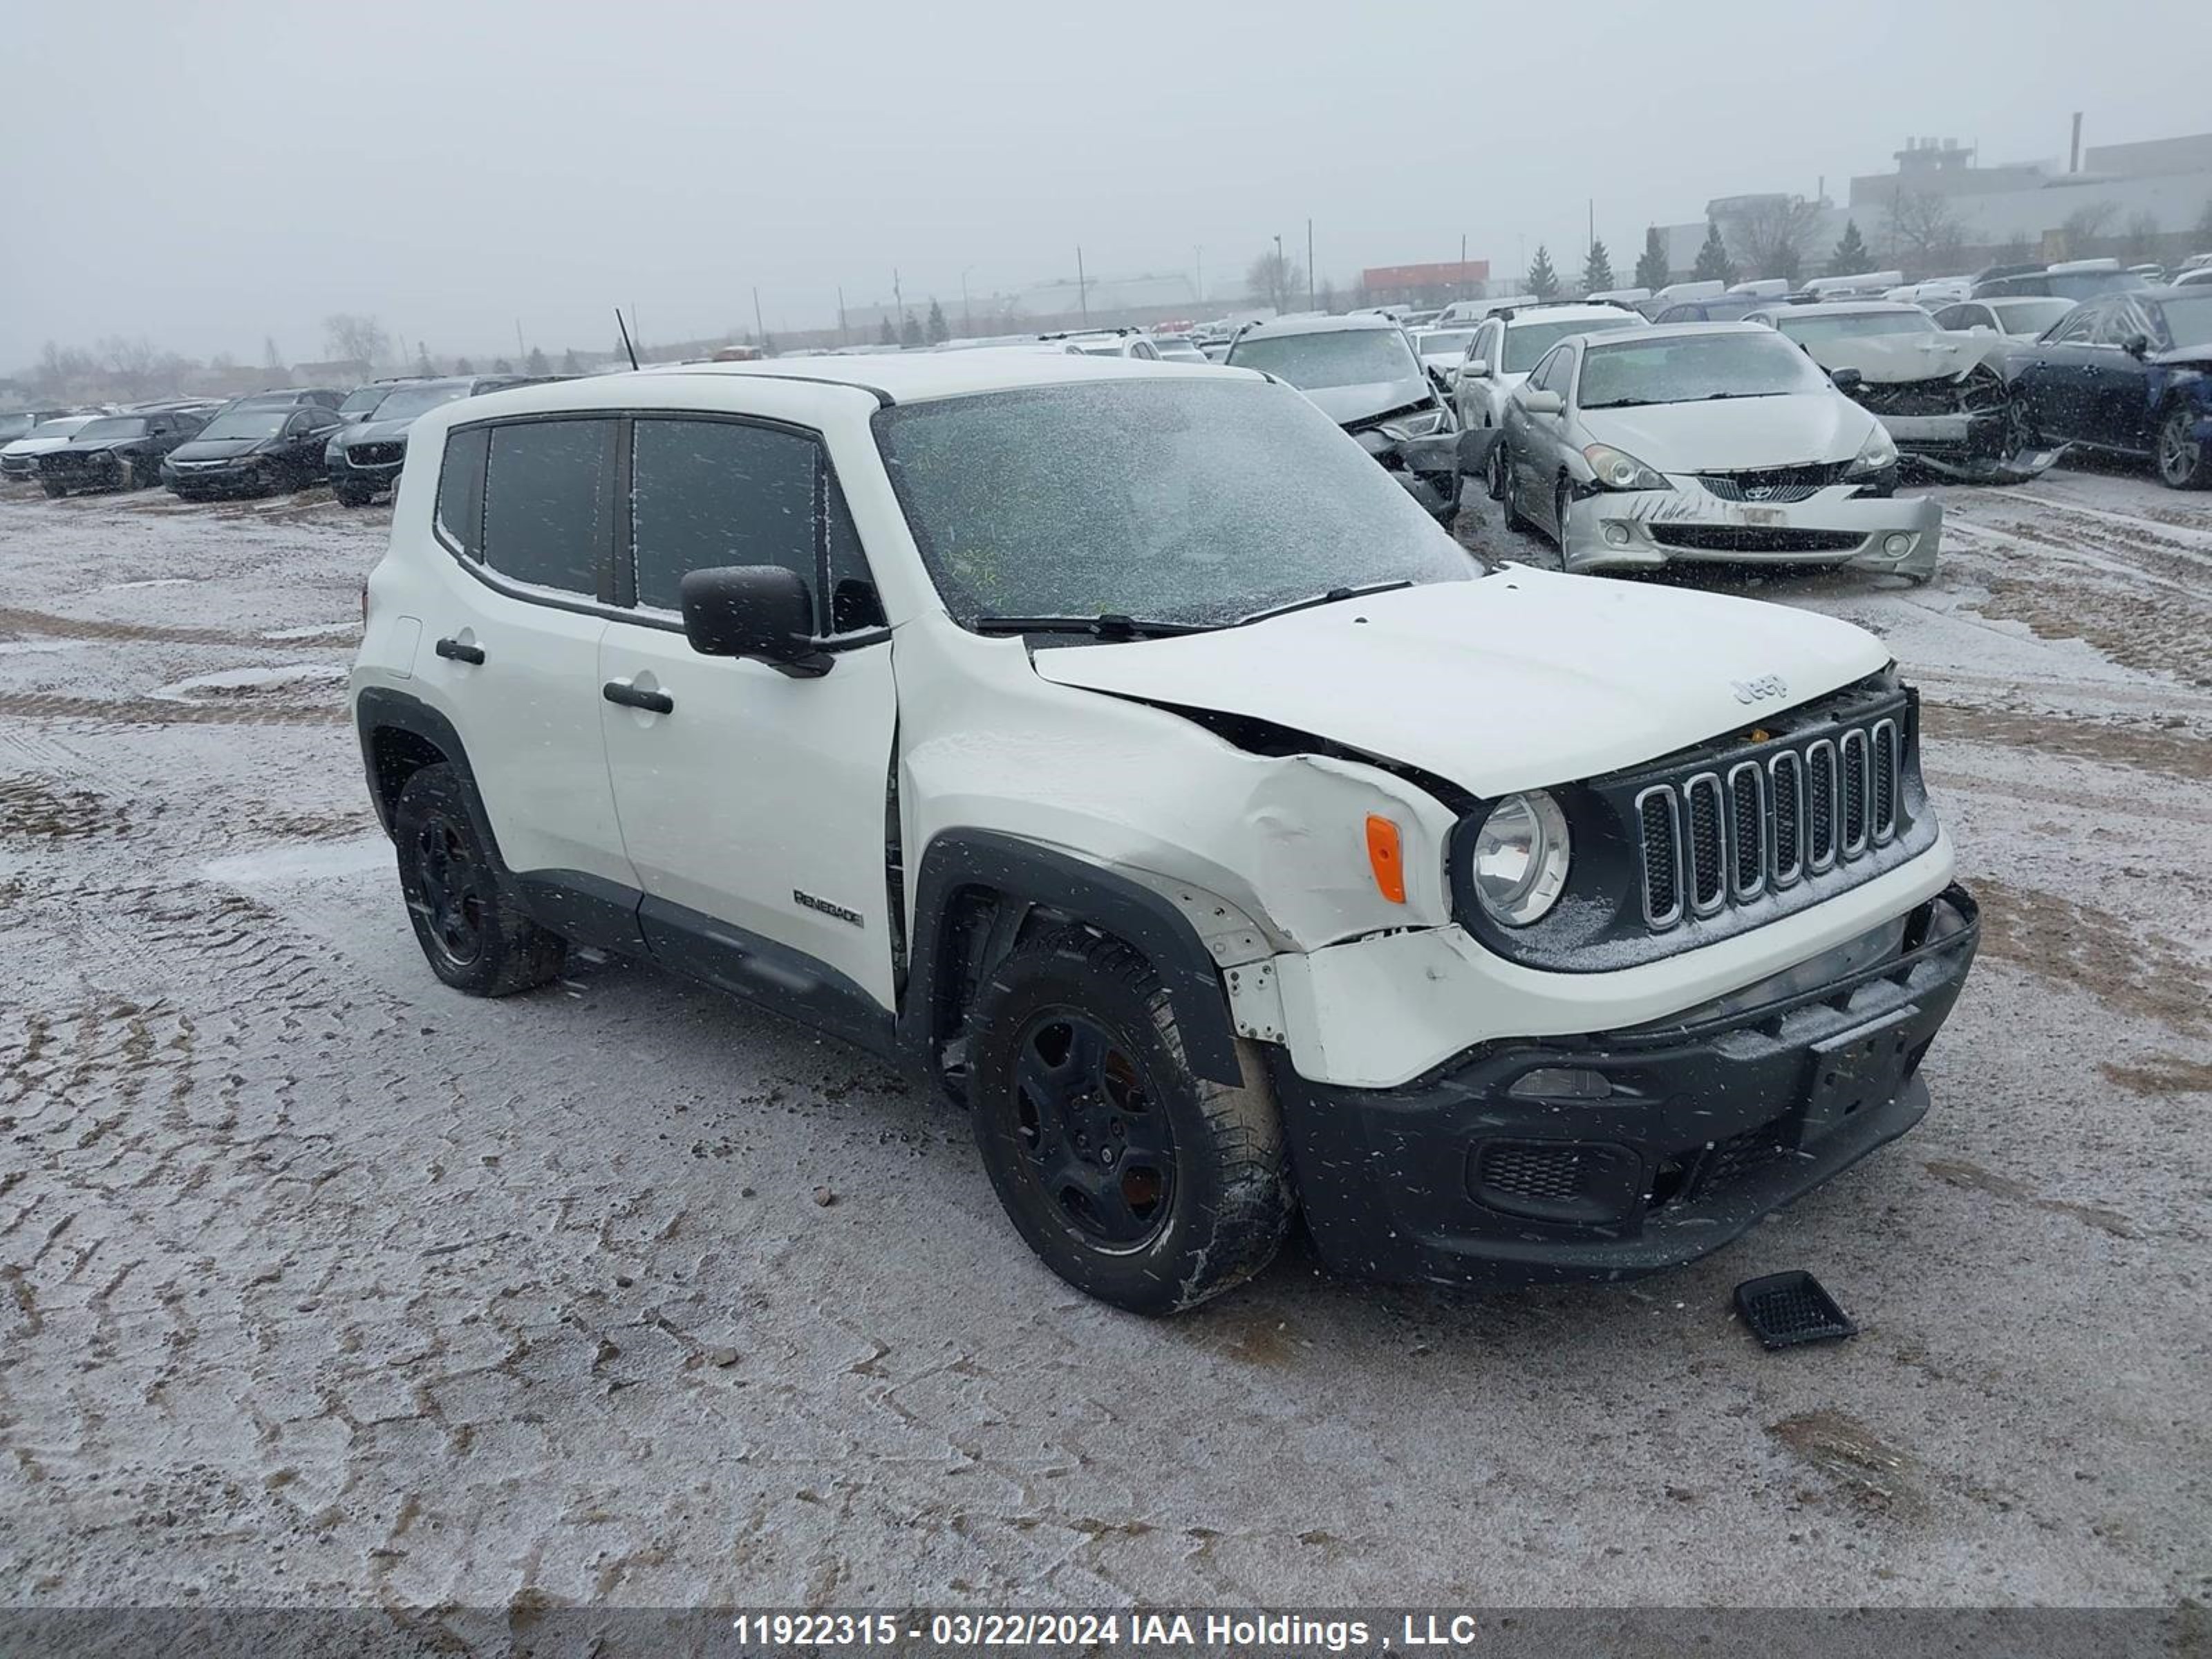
{"points": [[1597, 268], [570, 365], [463, 366], [535, 363], [1543, 281], [937, 330], [889, 336], [910, 333], [1651, 271], [1713, 264], [500, 366], [1850, 257]]}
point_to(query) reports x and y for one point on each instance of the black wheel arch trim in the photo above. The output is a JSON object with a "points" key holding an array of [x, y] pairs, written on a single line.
{"points": [[1012, 868], [381, 708]]}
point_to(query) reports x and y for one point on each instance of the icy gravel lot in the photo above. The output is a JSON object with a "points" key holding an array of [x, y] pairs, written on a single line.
{"points": [[319, 1283]]}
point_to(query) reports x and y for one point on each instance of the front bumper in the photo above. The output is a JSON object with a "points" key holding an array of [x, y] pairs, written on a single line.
{"points": [[227, 478], [1958, 436], [379, 475], [1645, 529], [1710, 1124]]}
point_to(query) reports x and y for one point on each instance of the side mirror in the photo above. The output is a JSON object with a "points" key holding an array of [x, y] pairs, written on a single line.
{"points": [[1847, 380], [761, 610], [1543, 402], [2136, 345], [1475, 369]]}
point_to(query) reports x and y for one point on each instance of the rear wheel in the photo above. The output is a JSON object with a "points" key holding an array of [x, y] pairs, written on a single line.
{"points": [[1508, 494], [474, 935], [2184, 461], [1132, 1178]]}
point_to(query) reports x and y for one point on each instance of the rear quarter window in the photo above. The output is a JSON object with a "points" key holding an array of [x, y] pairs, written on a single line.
{"points": [[460, 491]]}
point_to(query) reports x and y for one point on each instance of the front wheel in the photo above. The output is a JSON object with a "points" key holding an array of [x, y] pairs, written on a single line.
{"points": [[55, 488], [1135, 1180], [350, 495], [473, 934], [2184, 461], [1493, 472], [1562, 499], [2023, 431]]}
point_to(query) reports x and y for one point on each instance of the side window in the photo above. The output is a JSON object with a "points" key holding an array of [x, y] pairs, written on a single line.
{"points": [[460, 491], [1540, 378], [300, 423], [2077, 329], [708, 493], [853, 603], [546, 503]]}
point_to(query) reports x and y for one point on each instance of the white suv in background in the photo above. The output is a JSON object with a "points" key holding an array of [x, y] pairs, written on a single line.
{"points": [[1115, 746], [1508, 345]]}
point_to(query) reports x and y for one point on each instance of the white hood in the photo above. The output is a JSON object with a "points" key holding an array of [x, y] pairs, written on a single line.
{"points": [[1520, 680], [1737, 433]]}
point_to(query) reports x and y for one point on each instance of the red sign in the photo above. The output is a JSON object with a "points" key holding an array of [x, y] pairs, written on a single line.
{"points": [[1447, 275]]}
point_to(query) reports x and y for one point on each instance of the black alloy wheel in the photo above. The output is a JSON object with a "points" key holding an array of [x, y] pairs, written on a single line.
{"points": [[453, 888], [1093, 1135]]}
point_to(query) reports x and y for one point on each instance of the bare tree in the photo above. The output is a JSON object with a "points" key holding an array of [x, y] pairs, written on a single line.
{"points": [[270, 357], [2140, 240], [2086, 226], [1925, 232], [1772, 235], [60, 368], [1275, 278], [137, 368], [356, 339], [2017, 249]]}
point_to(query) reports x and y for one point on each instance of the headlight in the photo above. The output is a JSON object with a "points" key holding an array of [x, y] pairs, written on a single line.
{"points": [[1616, 469], [1877, 455], [1426, 424], [1520, 859]]}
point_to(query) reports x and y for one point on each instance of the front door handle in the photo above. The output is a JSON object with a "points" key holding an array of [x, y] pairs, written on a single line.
{"points": [[653, 702], [454, 651]]}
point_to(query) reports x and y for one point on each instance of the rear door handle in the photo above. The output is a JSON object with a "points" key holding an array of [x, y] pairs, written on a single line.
{"points": [[653, 702], [454, 651]]}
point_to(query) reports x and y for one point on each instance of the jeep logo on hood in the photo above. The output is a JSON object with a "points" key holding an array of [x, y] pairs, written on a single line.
{"points": [[1759, 690]]}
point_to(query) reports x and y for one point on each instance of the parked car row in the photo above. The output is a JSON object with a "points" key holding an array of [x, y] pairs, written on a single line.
{"points": [[265, 441]]}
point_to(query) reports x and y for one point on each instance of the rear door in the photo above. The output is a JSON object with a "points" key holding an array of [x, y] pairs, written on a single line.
{"points": [[2119, 381], [528, 509], [752, 802]]}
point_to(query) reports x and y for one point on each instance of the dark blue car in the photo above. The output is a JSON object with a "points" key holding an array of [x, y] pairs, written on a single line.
{"points": [[2128, 373]]}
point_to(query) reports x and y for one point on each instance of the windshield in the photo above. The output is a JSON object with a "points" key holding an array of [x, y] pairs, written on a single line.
{"points": [[1352, 356], [1527, 342], [63, 427], [408, 401], [1434, 341], [1187, 501], [113, 426], [2029, 316], [14, 426], [1854, 325], [361, 399], [248, 423], [1691, 368], [2088, 284]]}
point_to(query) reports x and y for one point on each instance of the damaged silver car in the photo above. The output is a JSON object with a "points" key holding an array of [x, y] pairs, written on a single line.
{"points": [[1717, 442], [1941, 392]]}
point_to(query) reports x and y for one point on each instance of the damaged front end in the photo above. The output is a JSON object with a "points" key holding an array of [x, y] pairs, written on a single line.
{"points": [[1944, 398], [1752, 518]]}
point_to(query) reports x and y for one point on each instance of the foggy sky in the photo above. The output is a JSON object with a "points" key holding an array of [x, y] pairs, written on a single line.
{"points": [[209, 173]]}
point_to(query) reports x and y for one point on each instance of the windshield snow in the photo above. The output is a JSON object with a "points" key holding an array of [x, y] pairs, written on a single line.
{"points": [[1167, 501], [113, 426], [1692, 367], [1352, 356], [1525, 342], [248, 423], [1855, 325], [408, 402]]}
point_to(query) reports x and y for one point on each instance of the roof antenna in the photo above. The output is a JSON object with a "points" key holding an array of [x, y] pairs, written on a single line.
{"points": [[627, 346]]}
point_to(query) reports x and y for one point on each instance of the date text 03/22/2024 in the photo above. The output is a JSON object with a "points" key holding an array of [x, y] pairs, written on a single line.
{"points": [[1014, 1629]]}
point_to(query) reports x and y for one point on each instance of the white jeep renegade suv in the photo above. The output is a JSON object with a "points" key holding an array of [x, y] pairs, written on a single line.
{"points": [[1118, 746]]}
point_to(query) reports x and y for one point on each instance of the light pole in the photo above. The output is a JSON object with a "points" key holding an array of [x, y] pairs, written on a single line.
{"points": [[1311, 305], [1281, 276], [967, 318]]}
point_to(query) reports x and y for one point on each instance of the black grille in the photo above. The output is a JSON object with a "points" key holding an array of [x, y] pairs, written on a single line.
{"points": [[376, 454], [1774, 483], [1732, 828], [1939, 396], [1662, 880], [1753, 538], [1541, 1175], [1708, 844]]}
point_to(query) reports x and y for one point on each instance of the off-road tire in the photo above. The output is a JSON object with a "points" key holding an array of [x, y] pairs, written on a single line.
{"points": [[1228, 1202], [2181, 462], [474, 935]]}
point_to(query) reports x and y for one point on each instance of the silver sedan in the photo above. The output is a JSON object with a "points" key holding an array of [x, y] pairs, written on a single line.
{"points": [[1704, 442]]}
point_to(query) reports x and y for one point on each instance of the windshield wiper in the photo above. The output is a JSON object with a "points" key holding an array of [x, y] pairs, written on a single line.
{"points": [[1623, 402], [1329, 598], [1107, 625]]}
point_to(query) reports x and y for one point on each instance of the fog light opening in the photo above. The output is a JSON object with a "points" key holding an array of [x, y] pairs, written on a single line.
{"points": [[1896, 544], [1561, 1082], [1616, 535]]}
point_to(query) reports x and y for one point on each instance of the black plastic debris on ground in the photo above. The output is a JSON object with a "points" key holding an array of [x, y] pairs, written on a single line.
{"points": [[1784, 1309]]}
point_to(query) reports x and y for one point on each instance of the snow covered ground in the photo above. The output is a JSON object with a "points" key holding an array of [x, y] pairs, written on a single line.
{"points": [[320, 1284]]}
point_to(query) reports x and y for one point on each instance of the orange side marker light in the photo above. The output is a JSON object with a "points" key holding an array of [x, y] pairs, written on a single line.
{"points": [[1387, 858]]}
